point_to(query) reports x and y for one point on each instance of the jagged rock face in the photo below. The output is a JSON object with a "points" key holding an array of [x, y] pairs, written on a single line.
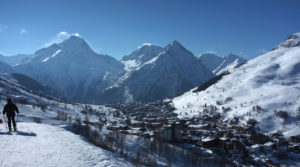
{"points": [[73, 69], [291, 41], [172, 71], [229, 63], [138, 57], [218, 64]]}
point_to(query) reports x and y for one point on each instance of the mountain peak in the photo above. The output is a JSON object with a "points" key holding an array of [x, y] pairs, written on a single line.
{"points": [[174, 45], [207, 55], [145, 45], [75, 42], [74, 38], [232, 55], [291, 41]]}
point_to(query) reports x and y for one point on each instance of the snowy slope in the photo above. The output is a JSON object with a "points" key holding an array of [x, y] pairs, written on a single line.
{"points": [[73, 69], [47, 145], [42, 140], [172, 71], [270, 81]]}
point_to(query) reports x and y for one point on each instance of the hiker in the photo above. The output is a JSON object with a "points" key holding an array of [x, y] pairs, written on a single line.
{"points": [[9, 110]]}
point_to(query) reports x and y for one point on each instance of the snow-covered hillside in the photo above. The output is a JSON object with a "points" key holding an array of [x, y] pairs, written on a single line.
{"points": [[43, 140], [73, 69], [173, 70], [265, 89]]}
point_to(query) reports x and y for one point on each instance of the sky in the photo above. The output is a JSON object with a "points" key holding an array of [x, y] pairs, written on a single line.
{"points": [[247, 28]]}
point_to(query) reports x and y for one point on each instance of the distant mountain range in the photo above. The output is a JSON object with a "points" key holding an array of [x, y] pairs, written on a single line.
{"points": [[72, 70], [16, 59], [157, 73]]}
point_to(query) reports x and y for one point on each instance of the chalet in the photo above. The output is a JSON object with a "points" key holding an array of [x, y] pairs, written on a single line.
{"points": [[254, 148], [269, 146], [294, 148], [148, 134], [133, 132], [135, 123], [234, 121], [239, 148], [282, 144], [209, 142], [239, 129], [295, 139], [259, 138]]}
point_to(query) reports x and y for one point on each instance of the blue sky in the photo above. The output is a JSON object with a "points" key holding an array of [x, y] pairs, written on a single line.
{"points": [[117, 27]]}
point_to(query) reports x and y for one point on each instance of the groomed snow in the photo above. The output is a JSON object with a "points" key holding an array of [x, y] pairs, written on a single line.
{"points": [[47, 145]]}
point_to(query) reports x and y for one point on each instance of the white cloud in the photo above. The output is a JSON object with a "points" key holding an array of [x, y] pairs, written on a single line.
{"points": [[2, 27], [23, 31], [61, 36], [76, 34]]}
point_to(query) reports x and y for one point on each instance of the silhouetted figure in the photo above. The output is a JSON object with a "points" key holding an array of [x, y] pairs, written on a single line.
{"points": [[10, 110]]}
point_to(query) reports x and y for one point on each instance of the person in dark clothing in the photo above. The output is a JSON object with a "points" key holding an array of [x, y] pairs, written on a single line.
{"points": [[10, 110]]}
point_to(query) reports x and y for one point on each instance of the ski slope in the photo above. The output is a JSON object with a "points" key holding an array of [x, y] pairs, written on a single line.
{"points": [[46, 145]]}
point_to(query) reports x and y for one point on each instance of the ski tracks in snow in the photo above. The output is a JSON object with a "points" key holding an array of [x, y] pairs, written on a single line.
{"points": [[47, 145]]}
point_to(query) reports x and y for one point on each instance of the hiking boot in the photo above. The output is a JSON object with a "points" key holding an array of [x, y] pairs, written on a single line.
{"points": [[9, 128], [15, 128]]}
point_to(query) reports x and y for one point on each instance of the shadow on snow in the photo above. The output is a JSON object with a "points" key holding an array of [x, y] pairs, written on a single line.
{"points": [[19, 133]]}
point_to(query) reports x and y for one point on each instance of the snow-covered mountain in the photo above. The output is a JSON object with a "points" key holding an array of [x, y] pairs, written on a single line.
{"points": [[16, 59], [173, 70], [138, 57], [219, 64], [7, 72], [73, 69], [265, 89], [229, 63], [210, 60]]}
